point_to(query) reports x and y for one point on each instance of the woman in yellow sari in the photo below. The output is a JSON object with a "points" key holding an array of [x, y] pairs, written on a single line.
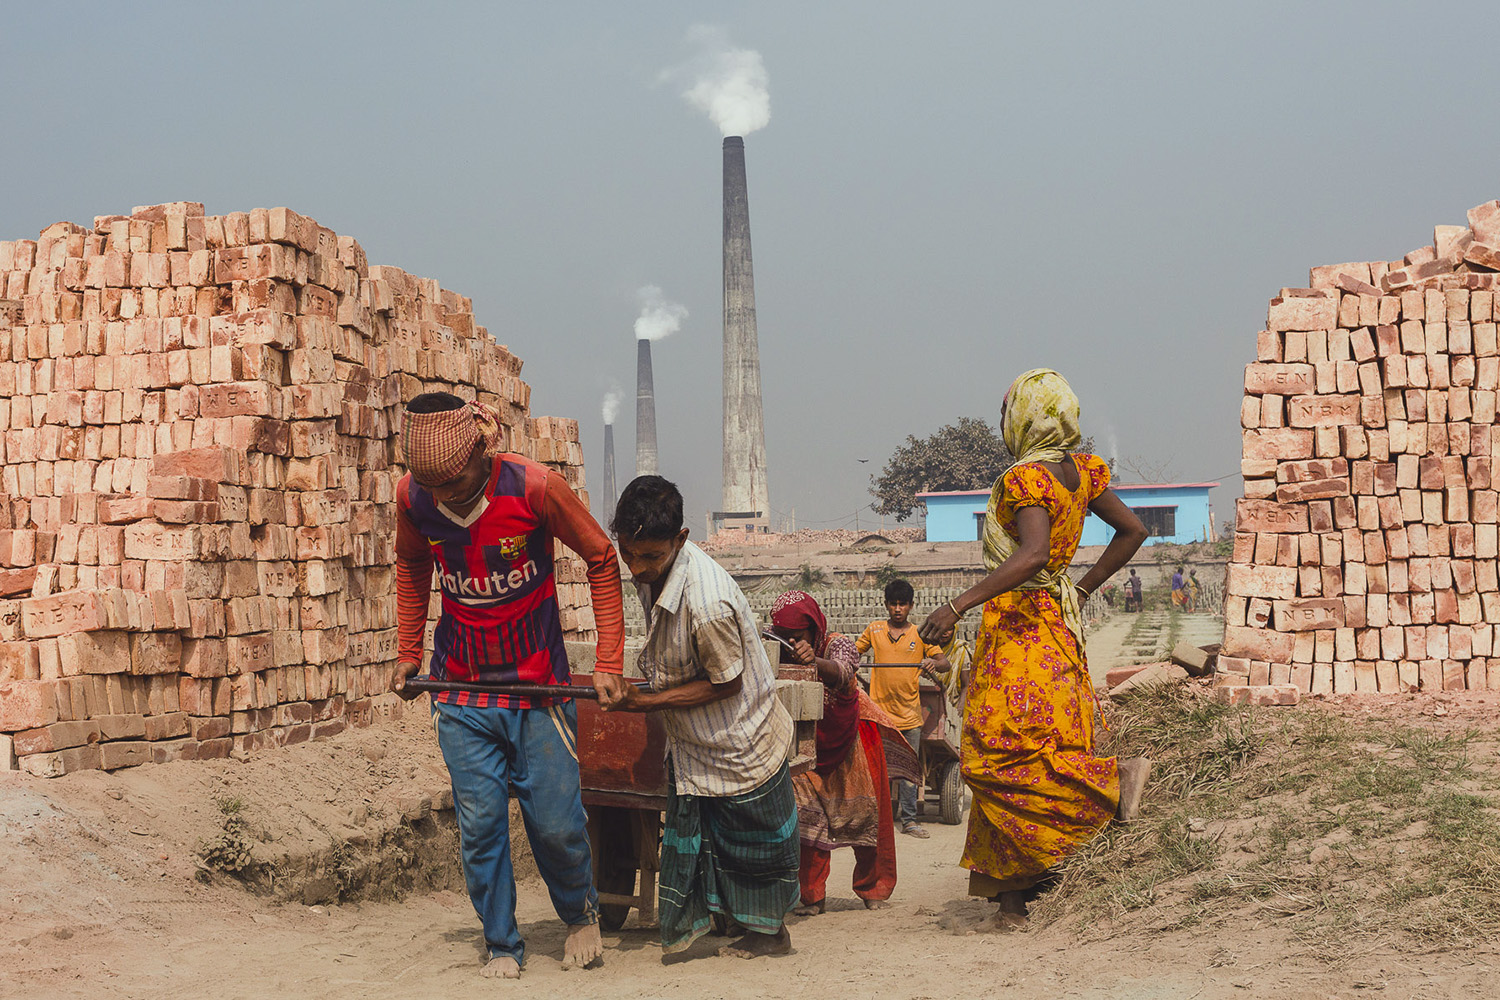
{"points": [[1027, 750]]}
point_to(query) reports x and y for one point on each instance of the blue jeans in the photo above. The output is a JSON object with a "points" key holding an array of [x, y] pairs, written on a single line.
{"points": [[535, 751], [906, 792]]}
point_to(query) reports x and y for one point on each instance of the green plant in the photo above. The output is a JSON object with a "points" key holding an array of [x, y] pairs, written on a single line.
{"points": [[229, 850], [885, 574], [809, 577]]}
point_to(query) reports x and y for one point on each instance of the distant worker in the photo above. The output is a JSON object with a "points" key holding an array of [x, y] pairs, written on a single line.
{"points": [[845, 800], [1194, 591], [898, 691], [729, 845], [1133, 591], [489, 523], [1179, 590], [1027, 752]]}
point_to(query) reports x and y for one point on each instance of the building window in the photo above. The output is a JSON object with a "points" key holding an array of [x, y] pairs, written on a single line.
{"points": [[1160, 522], [979, 525]]}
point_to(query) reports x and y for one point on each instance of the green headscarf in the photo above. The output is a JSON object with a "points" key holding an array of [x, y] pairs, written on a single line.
{"points": [[1039, 423]]}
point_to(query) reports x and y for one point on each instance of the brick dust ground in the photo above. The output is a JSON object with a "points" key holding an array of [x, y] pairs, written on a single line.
{"points": [[102, 900]]}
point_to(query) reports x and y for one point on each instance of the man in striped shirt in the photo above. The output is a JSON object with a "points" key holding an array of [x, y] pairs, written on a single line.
{"points": [[487, 522], [729, 849]]}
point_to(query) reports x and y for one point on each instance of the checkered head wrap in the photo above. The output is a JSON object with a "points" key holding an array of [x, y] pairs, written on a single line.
{"points": [[437, 446]]}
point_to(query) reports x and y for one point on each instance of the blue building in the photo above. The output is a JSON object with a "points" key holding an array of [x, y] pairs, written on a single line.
{"points": [[1172, 512]]}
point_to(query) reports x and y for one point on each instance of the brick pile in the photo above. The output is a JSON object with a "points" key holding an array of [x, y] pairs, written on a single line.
{"points": [[1365, 546], [197, 476]]}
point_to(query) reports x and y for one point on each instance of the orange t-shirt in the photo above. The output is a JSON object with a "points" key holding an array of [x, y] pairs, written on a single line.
{"points": [[896, 691]]}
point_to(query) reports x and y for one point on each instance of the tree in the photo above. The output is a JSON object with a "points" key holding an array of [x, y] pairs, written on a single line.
{"points": [[968, 455]]}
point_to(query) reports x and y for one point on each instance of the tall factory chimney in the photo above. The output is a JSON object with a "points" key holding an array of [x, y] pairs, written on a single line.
{"points": [[645, 411], [611, 494], [747, 501]]}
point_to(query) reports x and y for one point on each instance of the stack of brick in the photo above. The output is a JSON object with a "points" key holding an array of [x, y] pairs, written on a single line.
{"points": [[197, 474], [1365, 546]]}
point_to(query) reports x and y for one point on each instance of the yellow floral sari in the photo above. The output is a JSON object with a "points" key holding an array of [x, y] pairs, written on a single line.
{"points": [[1027, 750]]}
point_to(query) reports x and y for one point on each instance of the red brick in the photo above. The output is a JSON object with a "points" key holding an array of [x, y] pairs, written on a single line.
{"points": [[1257, 644], [155, 653], [58, 736], [1268, 516], [182, 488], [1278, 443], [219, 464], [61, 762], [1279, 379], [59, 614], [99, 652], [1318, 490], [1323, 410], [166, 727], [1298, 313], [1309, 613], [27, 705], [121, 726], [126, 753], [123, 510], [204, 729]]}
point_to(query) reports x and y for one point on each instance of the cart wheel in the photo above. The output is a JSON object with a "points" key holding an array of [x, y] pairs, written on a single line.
{"points": [[622, 882], [952, 807], [615, 858]]}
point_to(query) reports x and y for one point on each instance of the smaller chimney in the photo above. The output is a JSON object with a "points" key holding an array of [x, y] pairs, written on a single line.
{"points": [[645, 412], [610, 494]]}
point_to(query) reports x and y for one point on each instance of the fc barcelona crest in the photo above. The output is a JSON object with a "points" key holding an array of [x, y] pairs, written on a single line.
{"points": [[513, 548]]}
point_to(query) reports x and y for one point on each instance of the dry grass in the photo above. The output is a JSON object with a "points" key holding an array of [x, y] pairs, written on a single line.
{"points": [[1347, 831]]}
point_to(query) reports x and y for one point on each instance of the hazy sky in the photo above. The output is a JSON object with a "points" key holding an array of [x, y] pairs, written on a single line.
{"points": [[946, 194]]}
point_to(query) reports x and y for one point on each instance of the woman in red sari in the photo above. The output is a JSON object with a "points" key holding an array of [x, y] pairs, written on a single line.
{"points": [[845, 800]]}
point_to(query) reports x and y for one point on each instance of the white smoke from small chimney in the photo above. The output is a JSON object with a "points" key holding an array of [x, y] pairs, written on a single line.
{"points": [[660, 316], [729, 83], [611, 407]]}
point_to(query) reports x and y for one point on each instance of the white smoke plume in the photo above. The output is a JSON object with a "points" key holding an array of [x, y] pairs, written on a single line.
{"points": [[660, 316], [727, 82], [611, 407]]}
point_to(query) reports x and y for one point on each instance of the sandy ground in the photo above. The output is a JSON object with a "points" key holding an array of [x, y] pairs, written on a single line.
{"points": [[100, 897]]}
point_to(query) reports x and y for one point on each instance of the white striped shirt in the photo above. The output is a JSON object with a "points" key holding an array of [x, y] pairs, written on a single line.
{"points": [[700, 627]]}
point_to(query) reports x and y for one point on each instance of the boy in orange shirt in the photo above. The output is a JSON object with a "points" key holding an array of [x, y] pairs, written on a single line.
{"points": [[898, 691]]}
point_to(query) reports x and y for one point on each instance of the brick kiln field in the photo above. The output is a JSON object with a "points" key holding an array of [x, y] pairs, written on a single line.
{"points": [[197, 476], [1365, 547]]}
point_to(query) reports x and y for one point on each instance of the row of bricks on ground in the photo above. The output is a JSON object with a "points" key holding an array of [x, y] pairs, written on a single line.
{"points": [[1361, 676], [204, 741], [34, 704], [1315, 630], [249, 701]]}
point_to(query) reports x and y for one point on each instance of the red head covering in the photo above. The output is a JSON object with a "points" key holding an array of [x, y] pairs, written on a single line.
{"points": [[437, 446], [797, 609]]}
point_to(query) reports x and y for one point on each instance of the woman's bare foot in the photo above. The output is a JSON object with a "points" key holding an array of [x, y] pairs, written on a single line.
{"points": [[1011, 916], [754, 945], [501, 967], [877, 904], [811, 909], [584, 948], [1133, 775]]}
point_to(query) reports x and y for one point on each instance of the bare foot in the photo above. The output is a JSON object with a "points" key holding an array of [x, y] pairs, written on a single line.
{"points": [[1133, 775], [1006, 923], [811, 909], [584, 948], [501, 967], [754, 945], [877, 904]]}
